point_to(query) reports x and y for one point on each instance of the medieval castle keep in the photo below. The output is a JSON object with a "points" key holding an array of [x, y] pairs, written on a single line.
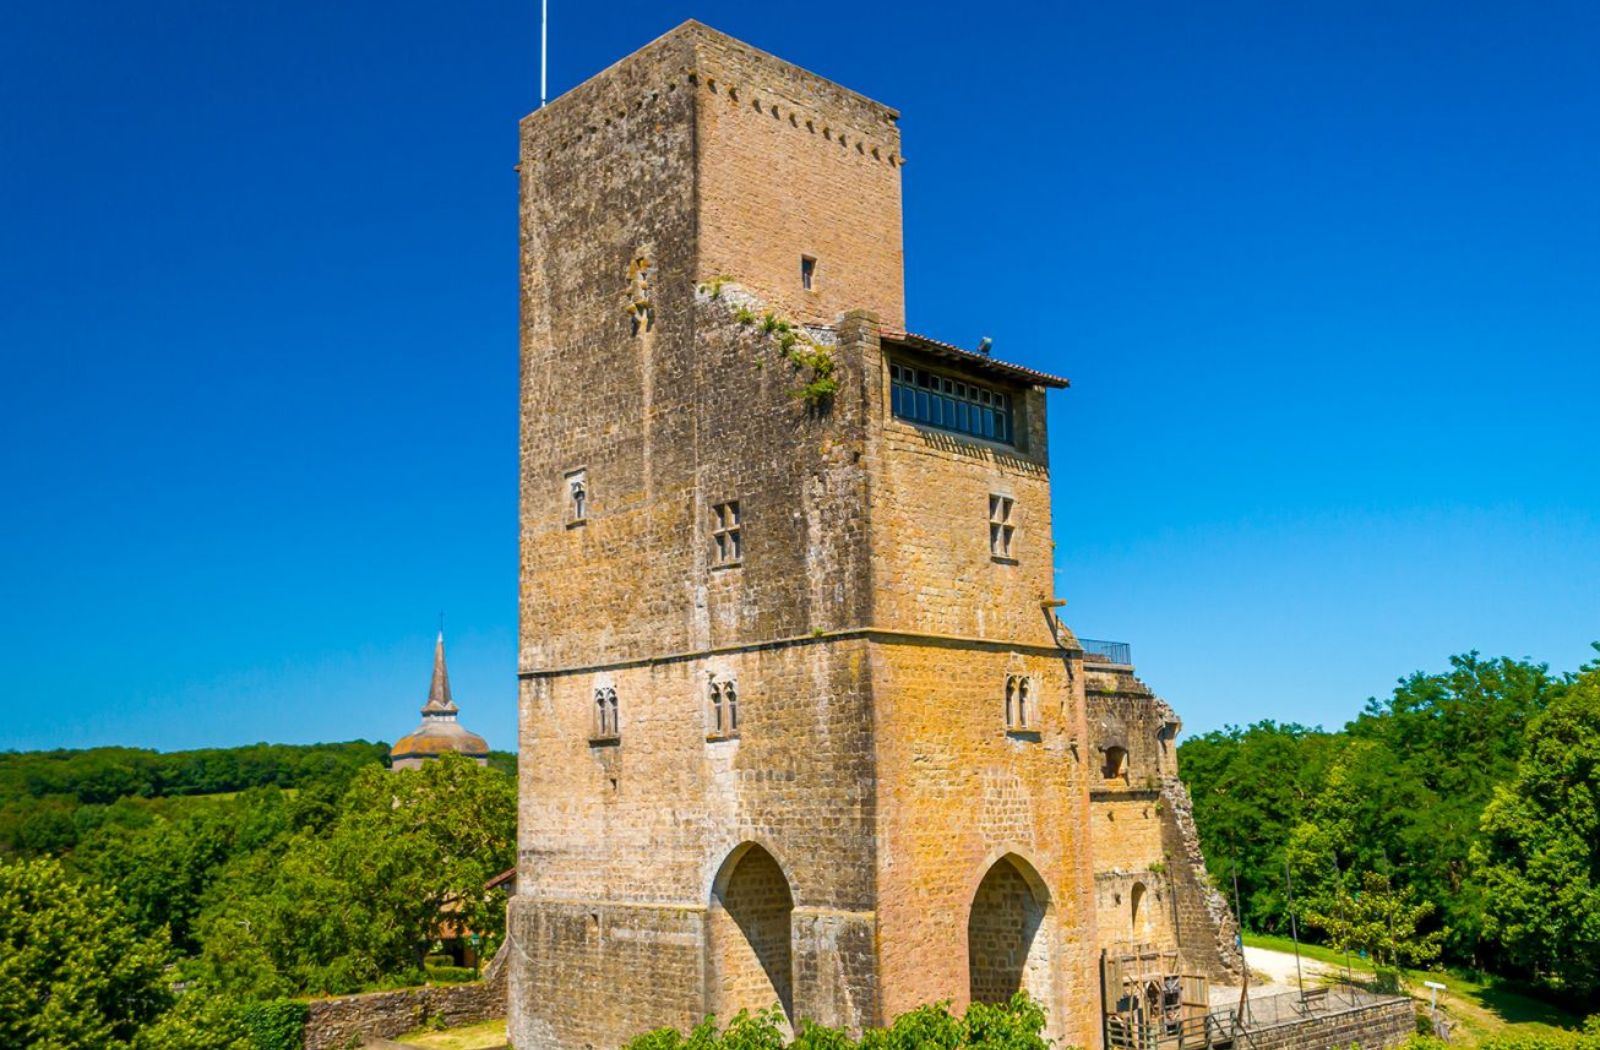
{"points": [[799, 724]]}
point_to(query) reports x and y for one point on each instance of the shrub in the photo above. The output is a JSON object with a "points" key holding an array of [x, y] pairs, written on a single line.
{"points": [[1016, 1025], [451, 974], [278, 1024]]}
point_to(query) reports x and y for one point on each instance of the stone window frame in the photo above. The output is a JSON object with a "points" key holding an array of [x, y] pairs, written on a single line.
{"points": [[575, 496], [1116, 764], [722, 708], [607, 726], [1021, 704], [727, 535], [1002, 528], [808, 273]]}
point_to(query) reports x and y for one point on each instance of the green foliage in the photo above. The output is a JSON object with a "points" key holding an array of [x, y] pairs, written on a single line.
{"points": [[277, 1025], [1540, 856], [49, 800], [1587, 1038], [364, 899], [75, 974], [1379, 921], [744, 315], [451, 974], [1017, 1025], [1399, 793]]}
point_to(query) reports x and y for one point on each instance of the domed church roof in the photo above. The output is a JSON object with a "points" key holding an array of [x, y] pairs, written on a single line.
{"points": [[439, 731]]}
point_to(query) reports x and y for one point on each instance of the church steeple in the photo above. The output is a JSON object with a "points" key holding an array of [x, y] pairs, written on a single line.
{"points": [[439, 731], [439, 702]]}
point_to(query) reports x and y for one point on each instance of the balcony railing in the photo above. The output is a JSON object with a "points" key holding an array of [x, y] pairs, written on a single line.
{"points": [[1099, 652]]}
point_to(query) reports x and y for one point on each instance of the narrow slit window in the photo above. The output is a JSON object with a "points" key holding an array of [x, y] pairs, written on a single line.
{"points": [[808, 273], [577, 497]]}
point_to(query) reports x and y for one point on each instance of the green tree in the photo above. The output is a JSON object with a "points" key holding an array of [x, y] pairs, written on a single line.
{"points": [[1541, 855], [1380, 921], [75, 974], [363, 900]]}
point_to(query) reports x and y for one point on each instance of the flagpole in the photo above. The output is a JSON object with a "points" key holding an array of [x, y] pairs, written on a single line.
{"points": [[544, 37]]}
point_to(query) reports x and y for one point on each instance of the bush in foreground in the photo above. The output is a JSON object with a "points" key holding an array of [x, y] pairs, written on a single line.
{"points": [[1016, 1025]]}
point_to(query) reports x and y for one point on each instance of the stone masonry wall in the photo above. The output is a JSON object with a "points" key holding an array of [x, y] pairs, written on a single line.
{"points": [[790, 165], [340, 1023], [1375, 1027], [1145, 843], [959, 793]]}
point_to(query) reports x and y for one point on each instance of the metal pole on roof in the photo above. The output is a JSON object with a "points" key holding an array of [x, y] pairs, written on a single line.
{"points": [[544, 48]]}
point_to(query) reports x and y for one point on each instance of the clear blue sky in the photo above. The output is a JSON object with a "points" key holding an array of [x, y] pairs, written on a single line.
{"points": [[1326, 277]]}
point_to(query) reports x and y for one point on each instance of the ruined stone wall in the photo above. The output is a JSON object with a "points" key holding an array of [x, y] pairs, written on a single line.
{"points": [[957, 794], [349, 1020], [1146, 848]]}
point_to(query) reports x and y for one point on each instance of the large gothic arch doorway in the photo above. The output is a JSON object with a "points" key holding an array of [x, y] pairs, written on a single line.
{"points": [[748, 959], [1008, 934]]}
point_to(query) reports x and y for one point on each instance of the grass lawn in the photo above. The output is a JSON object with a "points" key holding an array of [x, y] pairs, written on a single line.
{"points": [[1482, 1007], [490, 1035]]}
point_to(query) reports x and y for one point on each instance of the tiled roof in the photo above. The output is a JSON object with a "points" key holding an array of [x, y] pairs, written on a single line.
{"points": [[972, 359]]}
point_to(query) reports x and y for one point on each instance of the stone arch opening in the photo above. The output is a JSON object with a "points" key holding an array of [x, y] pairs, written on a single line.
{"points": [[1136, 898], [1008, 934], [748, 957]]}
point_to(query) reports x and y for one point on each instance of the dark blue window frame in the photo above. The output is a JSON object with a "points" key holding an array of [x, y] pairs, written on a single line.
{"points": [[956, 405]]}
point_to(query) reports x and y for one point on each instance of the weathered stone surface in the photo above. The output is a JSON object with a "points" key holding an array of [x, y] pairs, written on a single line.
{"points": [[929, 850], [1150, 877], [346, 1021]]}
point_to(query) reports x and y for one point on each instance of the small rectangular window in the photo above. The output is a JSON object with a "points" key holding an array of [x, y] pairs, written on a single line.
{"points": [[1002, 530], [727, 535], [808, 272]]}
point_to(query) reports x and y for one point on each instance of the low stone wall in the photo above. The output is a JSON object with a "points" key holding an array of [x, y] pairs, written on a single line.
{"points": [[336, 1024], [1374, 1026]]}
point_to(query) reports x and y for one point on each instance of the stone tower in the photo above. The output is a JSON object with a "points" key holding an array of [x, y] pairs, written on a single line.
{"points": [[798, 725]]}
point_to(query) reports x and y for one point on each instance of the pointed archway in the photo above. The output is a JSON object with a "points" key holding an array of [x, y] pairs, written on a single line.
{"points": [[1008, 942], [748, 957]]}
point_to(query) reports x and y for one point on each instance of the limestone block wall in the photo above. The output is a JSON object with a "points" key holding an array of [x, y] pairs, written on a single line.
{"points": [[959, 794], [1376, 1026], [932, 567], [790, 164], [1150, 876]]}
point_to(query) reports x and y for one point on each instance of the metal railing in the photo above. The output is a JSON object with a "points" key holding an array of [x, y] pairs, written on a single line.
{"points": [[1096, 651]]}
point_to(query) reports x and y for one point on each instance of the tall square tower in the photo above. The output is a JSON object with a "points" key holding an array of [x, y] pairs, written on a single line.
{"points": [[797, 724]]}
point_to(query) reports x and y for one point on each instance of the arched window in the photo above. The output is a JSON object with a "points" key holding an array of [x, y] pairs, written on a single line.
{"points": [[1019, 703], [605, 713], [724, 713], [1136, 898], [1116, 763]]}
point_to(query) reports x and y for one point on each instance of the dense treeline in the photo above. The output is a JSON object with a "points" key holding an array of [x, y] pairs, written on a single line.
{"points": [[1464, 804], [49, 800], [335, 875]]}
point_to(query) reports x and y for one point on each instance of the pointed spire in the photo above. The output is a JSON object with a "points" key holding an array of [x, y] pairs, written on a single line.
{"points": [[439, 702]]}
